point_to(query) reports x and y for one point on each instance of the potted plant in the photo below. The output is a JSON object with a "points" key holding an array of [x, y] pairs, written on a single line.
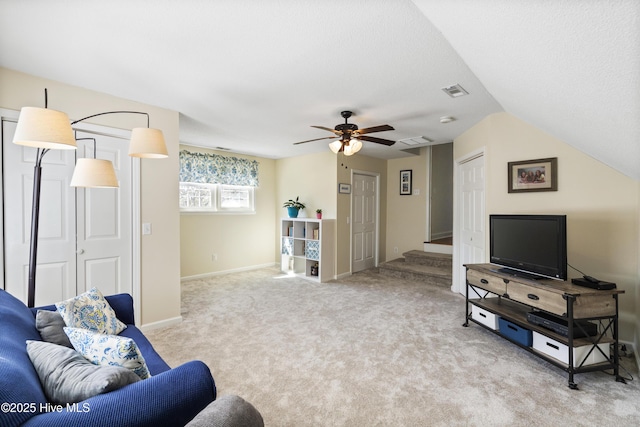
{"points": [[293, 206], [319, 213]]}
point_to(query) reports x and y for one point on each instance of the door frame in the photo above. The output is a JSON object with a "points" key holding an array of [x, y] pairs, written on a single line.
{"points": [[376, 175], [456, 286], [12, 115]]}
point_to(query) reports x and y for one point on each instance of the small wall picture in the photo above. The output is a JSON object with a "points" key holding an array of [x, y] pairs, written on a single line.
{"points": [[405, 182], [344, 188], [533, 175]]}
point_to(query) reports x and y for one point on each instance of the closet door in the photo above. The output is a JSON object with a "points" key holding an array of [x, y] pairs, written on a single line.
{"points": [[56, 268], [104, 221], [85, 235]]}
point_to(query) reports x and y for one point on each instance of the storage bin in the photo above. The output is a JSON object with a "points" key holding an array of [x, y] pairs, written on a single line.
{"points": [[515, 333], [485, 317], [560, 351]]}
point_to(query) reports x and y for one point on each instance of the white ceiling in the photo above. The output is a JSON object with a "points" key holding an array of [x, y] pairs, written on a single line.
{"points": [[253, 76]]}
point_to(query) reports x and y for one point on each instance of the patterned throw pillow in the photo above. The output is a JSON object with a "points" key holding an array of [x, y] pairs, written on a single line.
{"points": [[90, 311], [110, 350]]}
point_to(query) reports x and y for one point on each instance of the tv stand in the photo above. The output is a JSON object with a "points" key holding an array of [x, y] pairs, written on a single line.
{"points": [[517, 273], [494, 298]]}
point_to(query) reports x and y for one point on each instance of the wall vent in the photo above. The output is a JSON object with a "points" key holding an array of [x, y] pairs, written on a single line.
{"points": [[416, 140]]}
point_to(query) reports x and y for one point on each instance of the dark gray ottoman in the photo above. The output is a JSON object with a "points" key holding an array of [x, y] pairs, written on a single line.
{"points": [[228, 411]]}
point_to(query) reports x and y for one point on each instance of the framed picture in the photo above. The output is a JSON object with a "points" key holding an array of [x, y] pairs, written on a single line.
{"points": [[533, 175], [344, 188], [405, 182]]}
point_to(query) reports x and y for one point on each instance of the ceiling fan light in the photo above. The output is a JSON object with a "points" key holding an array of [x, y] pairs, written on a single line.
{"points": [[335, 146], [355, 145], [348, 150]]}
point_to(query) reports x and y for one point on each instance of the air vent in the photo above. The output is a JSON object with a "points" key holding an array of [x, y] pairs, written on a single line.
{"points": [[455, 91], [222, 148], [416, 140]]}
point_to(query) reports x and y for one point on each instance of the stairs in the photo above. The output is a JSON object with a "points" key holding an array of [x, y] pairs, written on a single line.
{"points": [[427, 267]]}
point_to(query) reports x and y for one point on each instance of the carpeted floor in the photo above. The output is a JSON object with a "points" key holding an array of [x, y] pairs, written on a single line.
{"points": [[374, 351]]}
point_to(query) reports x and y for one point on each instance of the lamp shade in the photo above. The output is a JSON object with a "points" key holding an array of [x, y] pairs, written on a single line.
{"points": [[94, 173], [356, 145], [335, 146], [44, 128], [147, 143]]}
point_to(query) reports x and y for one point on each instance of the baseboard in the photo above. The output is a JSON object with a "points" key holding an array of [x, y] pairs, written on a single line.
{"points": [[343, 275], [233, 270], [161, 324]]}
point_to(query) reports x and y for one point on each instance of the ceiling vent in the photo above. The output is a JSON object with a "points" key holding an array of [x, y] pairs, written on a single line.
{"points": [[416, 140], [455, 91]]}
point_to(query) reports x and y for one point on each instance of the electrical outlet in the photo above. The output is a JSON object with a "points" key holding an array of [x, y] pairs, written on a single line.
{"points": [[214, 257], [395, 250]]}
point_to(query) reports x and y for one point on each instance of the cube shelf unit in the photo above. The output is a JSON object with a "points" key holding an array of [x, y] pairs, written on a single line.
{"points": [[306, 243]]}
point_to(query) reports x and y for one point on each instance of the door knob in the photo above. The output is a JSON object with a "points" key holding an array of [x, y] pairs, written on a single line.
{"points": [[80, 251]]}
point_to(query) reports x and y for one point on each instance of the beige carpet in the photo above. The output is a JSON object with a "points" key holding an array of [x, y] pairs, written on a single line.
{"points": [[374, 351]]}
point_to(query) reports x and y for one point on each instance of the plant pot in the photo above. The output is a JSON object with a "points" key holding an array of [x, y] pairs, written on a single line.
{"points": [[319, 215], [293, 212]]}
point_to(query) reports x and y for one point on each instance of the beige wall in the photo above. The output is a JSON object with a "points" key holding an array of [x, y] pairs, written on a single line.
{"points": [[160, 274], [239, 240], [312, 178], [406, 215], [345, 167], [601, 204]]}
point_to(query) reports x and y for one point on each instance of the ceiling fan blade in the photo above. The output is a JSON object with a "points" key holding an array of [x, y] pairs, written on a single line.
{"points": [[380, 128], [376, 140], [337, 132], [317, 139]]}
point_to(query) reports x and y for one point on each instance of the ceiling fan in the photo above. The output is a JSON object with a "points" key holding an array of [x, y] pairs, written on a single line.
{"points": [[350, 136]]}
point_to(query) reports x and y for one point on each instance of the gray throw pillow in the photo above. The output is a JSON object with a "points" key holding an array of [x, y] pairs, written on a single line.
{"points": [[67, 377], [50, 324]]}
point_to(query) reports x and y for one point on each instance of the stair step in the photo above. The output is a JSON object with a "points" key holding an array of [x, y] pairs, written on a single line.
{"points": [[428, 258], [400, 268]]}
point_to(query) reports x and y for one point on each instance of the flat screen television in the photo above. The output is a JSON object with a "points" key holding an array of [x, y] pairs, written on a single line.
{"points": [[533, 246]]}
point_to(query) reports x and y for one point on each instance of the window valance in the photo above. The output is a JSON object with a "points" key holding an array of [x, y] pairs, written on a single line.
{"points": [[216, 169]]}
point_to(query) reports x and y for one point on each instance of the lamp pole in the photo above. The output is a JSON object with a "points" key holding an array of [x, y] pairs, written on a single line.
{"points": [[35, 220]]}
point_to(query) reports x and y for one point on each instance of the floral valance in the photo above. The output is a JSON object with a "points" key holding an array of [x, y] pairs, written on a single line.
{"points": [[215, 169]]}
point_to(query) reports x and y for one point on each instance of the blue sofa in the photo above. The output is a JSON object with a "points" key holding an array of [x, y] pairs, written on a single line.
{"points": [[171, 397]]}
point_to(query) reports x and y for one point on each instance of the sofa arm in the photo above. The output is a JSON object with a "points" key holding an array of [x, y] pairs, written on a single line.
{"points": [[171, 398]]}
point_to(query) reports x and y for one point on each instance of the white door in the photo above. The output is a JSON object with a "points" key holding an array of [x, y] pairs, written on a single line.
{"points": [[471, 241], [84, 241], [56, 268], [364, 222], [104, 222]]}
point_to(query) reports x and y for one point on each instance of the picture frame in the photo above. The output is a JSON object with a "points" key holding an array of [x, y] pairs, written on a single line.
{"points": [[533, 175], [406, 185], [344, 188]]}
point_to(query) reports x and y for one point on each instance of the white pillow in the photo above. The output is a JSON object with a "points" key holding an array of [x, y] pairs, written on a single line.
{"points": [[110, 350], [90, 311]]}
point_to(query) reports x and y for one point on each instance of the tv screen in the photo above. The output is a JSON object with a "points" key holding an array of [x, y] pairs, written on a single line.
{"points": [[530, 244]]}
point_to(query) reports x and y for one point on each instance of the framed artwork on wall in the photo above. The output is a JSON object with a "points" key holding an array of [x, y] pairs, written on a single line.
{"points": [[405, 182], [344, 188], [533, 175]]}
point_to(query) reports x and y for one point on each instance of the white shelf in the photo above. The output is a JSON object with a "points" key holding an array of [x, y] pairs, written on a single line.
{"points": [[306, 248]]}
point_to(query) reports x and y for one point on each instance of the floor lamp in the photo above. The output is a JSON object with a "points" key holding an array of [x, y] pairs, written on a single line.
{"points": [[46, 129]]}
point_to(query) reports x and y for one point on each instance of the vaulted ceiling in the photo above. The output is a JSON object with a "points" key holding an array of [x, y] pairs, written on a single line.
{"points": [[253, 76]]}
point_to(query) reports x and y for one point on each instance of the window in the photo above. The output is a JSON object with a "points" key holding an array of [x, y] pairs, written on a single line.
{"points": [[214, 183]]}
